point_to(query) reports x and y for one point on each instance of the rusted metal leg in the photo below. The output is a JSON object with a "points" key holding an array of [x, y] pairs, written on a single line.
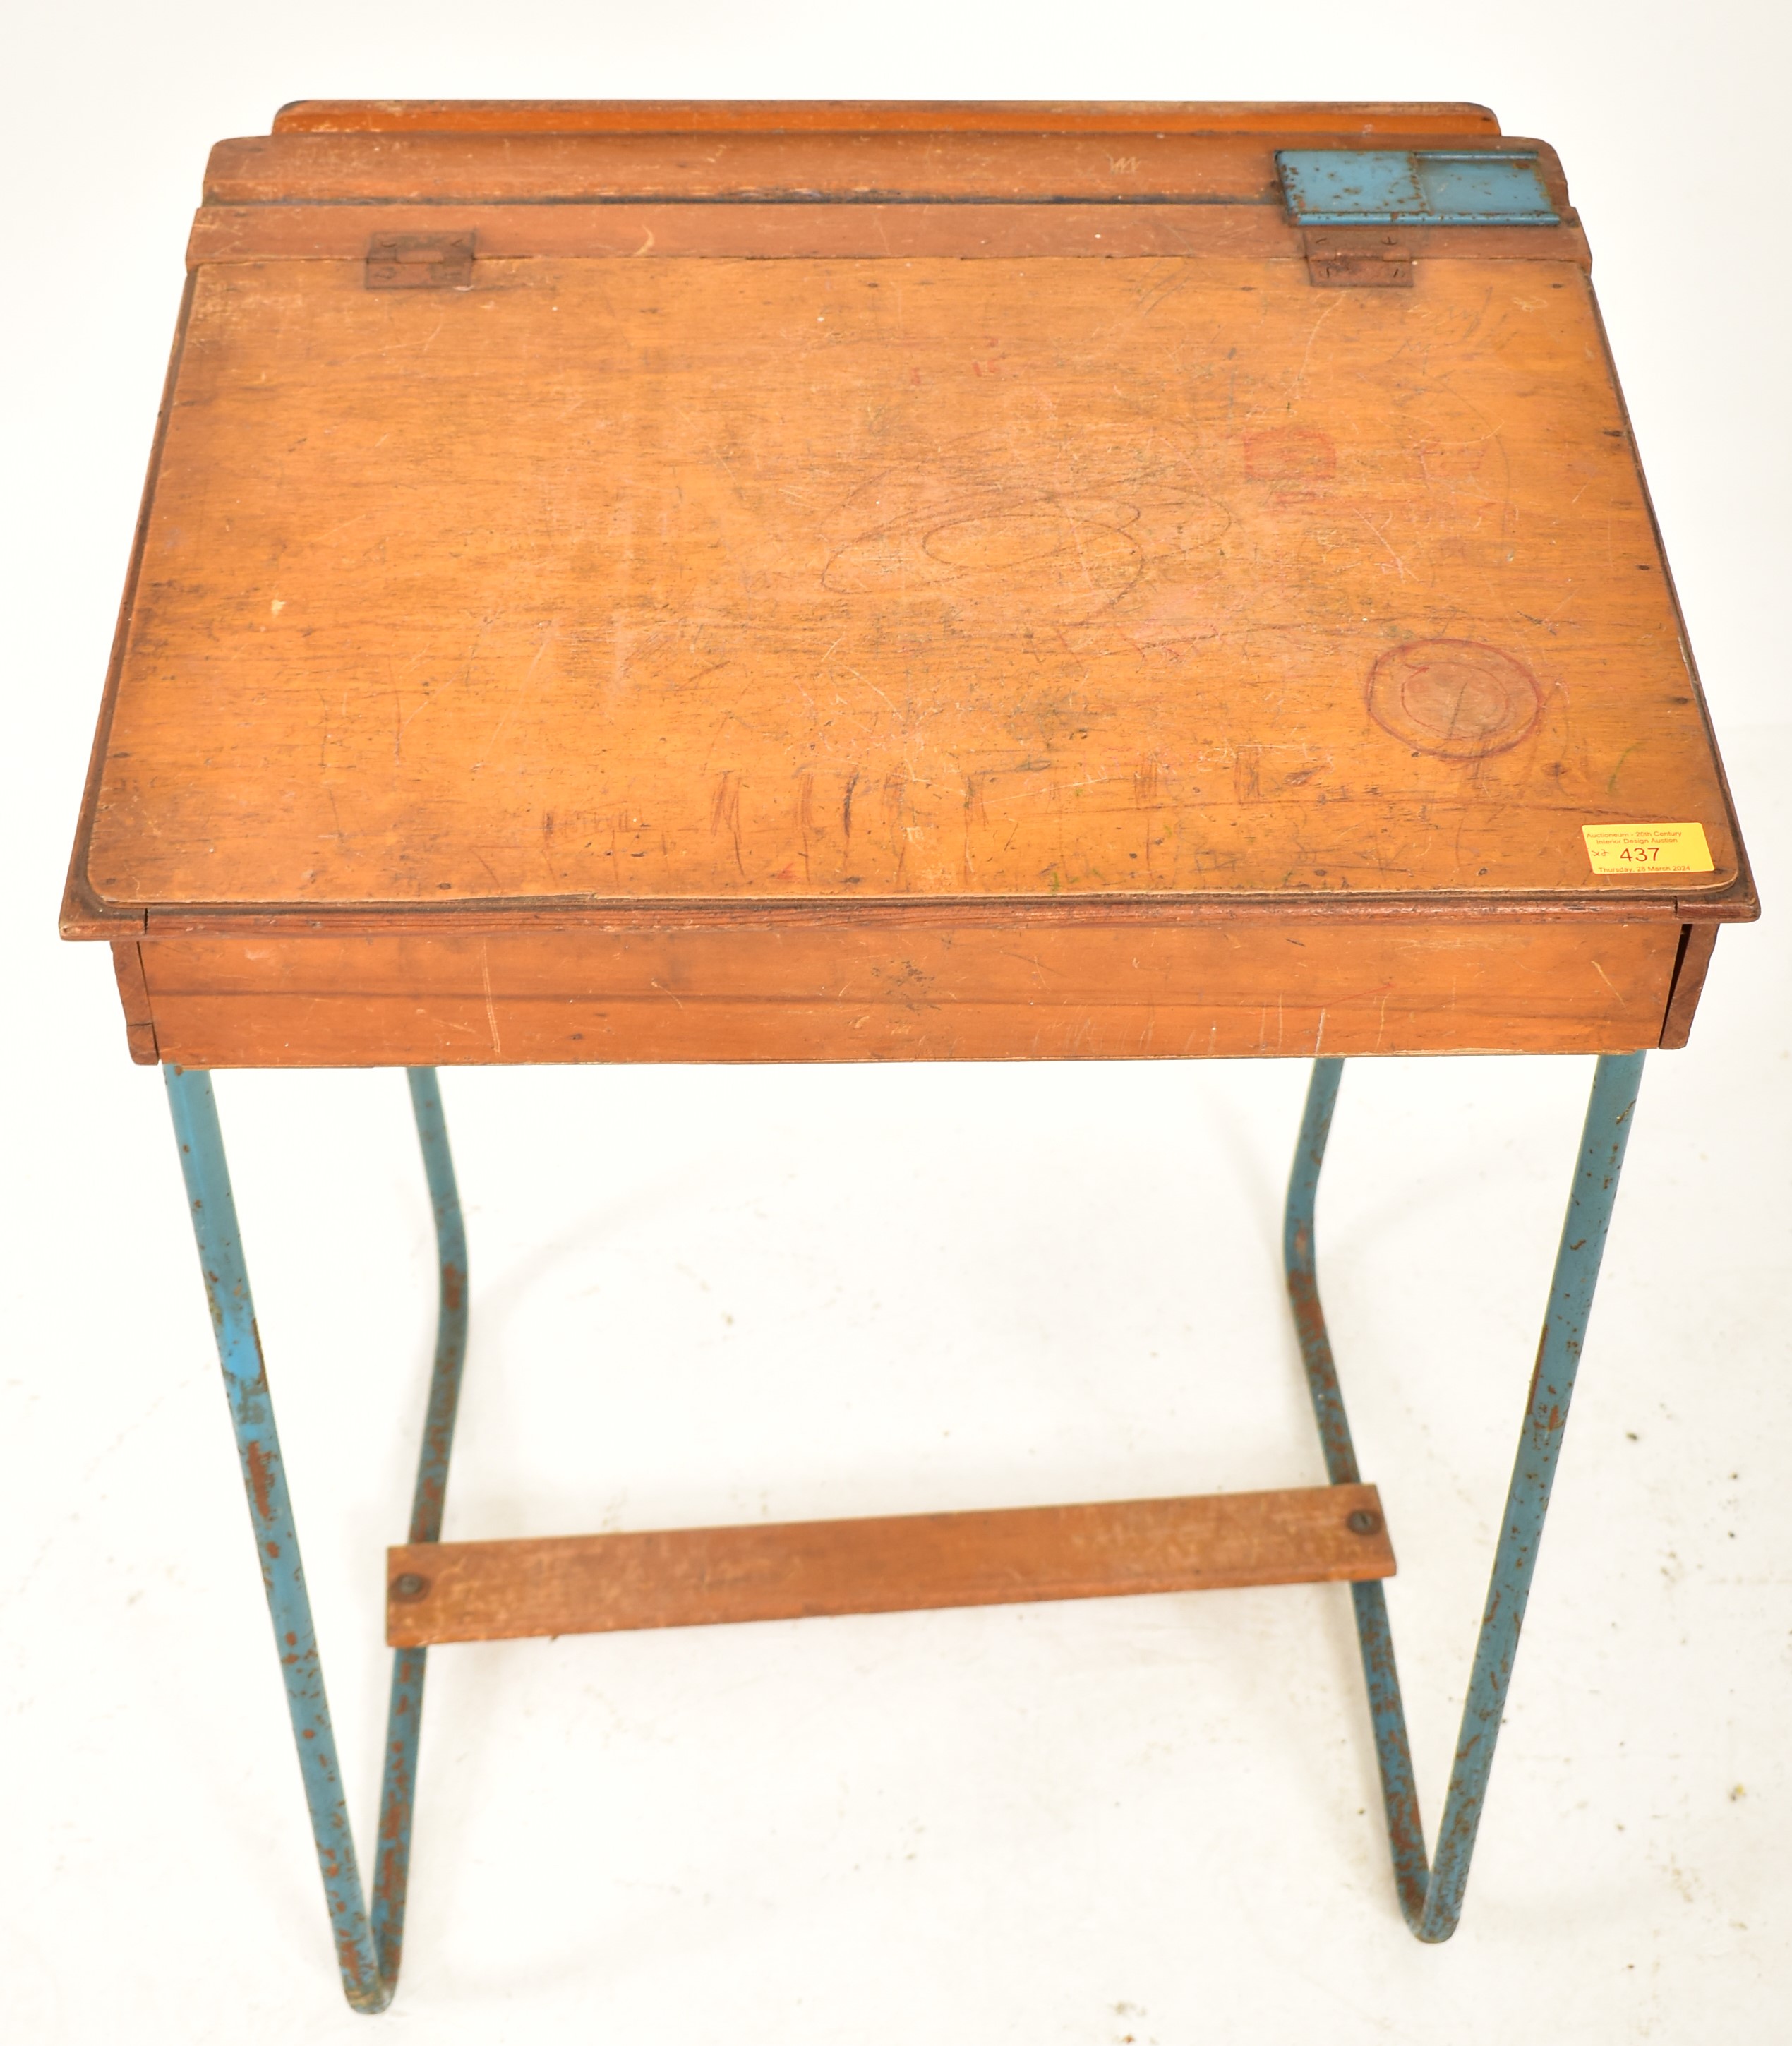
{"points": [[1432, 1895], [404, 1713], [367, 1947]]}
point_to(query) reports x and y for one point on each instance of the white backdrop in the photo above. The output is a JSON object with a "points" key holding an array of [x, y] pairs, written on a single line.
{"points": [[714, 1295]]}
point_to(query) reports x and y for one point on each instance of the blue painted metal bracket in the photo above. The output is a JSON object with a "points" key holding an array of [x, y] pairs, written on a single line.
{"points": [[1415, 188], [368, 1945], [1431, 1897]]}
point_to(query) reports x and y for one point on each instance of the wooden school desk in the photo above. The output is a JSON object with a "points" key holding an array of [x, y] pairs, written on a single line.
{"points": [[633, 582]]}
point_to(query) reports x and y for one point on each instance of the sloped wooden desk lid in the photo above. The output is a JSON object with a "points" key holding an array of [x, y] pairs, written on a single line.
{"points": [[972, 508]]}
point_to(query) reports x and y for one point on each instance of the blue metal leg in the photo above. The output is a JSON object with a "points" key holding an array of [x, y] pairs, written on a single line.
{"points": [[369, 1945], [368, 1948], [1431, 1897]]}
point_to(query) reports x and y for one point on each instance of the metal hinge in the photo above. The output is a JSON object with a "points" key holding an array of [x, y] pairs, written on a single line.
{"points": [[1366, 256], [420, 263]]}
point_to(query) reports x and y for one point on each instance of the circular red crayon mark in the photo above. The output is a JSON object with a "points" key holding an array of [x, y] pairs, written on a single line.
{"points": [[1455, 698]]}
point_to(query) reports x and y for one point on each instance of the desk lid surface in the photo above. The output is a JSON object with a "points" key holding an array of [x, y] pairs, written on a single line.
{"points": [[852, 578]]}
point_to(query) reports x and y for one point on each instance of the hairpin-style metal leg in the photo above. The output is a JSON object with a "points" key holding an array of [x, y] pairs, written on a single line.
{"points": [[1431, 1897], [368, 1948]]}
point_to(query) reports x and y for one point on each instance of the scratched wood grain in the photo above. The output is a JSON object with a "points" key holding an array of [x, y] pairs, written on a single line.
{"points": [[849, 992], [653, 230], [849, 579], [284, 168]]}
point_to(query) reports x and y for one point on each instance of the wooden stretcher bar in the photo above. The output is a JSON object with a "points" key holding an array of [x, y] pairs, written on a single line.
{"points": [[703, 1576]]}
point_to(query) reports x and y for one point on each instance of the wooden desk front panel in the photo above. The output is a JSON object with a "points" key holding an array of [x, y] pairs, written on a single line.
{"points": [[816, 992]]}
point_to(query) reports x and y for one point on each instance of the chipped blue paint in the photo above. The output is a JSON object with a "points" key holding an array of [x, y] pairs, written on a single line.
{"points": [[1431, 1897], [368, 1946], [1415, 188]]}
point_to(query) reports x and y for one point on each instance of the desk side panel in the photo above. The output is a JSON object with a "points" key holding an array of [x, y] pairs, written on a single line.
{"points": [[765, 994]]}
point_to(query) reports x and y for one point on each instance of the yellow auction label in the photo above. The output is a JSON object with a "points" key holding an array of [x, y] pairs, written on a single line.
{"points": [[1647, 848]]}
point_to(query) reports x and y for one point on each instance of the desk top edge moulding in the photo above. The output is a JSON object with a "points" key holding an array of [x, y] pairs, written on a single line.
{"points": [[789, 580]]}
